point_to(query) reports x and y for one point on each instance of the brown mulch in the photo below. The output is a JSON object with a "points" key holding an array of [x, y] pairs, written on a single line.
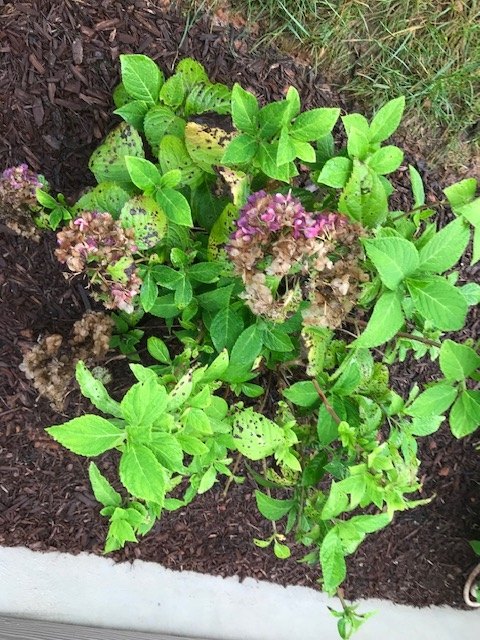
{"points": [[58, 66]]}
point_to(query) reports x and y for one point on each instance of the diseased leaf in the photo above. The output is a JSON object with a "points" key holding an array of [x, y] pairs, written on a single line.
{"points": [[147, 219], [256, 436], [107, 162]]}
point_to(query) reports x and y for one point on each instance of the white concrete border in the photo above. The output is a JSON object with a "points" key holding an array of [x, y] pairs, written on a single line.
{"points": [[144, 596]]}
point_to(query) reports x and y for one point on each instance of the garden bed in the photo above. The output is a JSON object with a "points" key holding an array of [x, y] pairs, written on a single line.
{"points": [[59, 66]]}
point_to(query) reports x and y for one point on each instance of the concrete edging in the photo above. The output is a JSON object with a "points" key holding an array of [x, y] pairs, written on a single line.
{"points": [[94, 591]]}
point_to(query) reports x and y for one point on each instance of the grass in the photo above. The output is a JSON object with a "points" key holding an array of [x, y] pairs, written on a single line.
{"points": [[427, 50]]}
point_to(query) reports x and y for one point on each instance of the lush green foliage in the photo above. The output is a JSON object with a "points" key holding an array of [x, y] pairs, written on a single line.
{"points": [[338, 453]]}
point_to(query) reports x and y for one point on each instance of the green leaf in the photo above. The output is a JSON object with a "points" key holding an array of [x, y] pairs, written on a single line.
{"points": [[465, 414], [88, 435], [386, 120], [271, 508], [386, 159], [303, 394], [439, 301], [95, 391], [216, 299], [475, 544], [470, 211], [458, 361], [143, 173], [357, 136], [141, 473], [384, 323], [167, 450], [337, 501], [146, 218], [144, 403], [433, 401], [335, 172], [286, 151], [267, 159], [417, 187], [244, 353], [141, 77], [208, 480], [240, 150], [314, 124], [158, 349], [173, 92], [272, 117], [304, 150], [107, 162], [225, 328], [173, 154], [281, 551], [244, 110], [364, 198], [175, 206], [165, 307], [183, 293], [160, 121], [191, 445], [148, 292], [332, 561], [461, 193], [120, 95], [275, 338], [471, 293], [166, 276], [476, 246], [446, 247], [206, 272], [256, 436], [394, 258], [133, 112], [206, 97], [425, 425], [102, 489], [119, 532], [45, 199]]}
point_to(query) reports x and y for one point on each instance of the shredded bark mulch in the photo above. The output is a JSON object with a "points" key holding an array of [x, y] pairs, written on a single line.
{"points": [[58, 66]]}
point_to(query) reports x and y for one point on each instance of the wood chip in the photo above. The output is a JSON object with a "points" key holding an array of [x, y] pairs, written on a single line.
{"points": [[77, 51]]}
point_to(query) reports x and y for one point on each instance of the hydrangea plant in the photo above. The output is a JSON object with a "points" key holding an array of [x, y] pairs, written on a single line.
{"points": [[274, 260]]}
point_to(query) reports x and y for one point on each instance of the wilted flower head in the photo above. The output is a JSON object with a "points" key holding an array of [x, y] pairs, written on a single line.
{"points": [[276, 236], [96, 243], [18, 186], [18, 200]]}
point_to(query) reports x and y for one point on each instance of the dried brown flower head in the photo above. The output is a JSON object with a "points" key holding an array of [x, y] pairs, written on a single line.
{"points": [[50, 364]]}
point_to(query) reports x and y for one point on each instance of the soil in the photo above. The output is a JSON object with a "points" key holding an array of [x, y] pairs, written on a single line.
{"points": [[58, 66]]}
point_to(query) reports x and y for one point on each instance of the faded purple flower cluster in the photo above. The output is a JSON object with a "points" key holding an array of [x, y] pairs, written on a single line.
{"points": [[18, 186], [96, 243], [276, 236], [18, 201]]}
